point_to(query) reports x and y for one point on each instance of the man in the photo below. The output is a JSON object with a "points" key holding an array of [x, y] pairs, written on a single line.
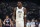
{"points": [[20, 13], [36, 23], [28, 23], [32, 23], [7, 22]]}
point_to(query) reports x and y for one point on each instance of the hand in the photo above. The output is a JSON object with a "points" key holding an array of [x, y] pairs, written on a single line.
{"points": [[4, 23]]}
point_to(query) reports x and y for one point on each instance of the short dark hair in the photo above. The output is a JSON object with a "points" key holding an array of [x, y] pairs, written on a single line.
{"points": [[6, 15], [20, 1]]}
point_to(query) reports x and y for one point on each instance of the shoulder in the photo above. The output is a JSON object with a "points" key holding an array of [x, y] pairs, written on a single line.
{"points": [[4, 19], [24, 9], [33, 22], [9, 19], [27, 23], [14, 8]]}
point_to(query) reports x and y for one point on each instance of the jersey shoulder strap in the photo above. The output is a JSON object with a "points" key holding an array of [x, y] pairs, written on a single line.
{"points": [[16, 8], [23, 8]]}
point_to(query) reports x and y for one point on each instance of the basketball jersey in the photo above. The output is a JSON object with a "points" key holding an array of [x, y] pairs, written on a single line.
{"points": [[39, 24], [19, 14], [36, 24], [32, 24], [7, 21], [28, 24]]}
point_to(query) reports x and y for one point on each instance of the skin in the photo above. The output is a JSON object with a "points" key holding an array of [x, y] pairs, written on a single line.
{"points": [[35, 20], [0, 23], [14, 13], [32, 20]]}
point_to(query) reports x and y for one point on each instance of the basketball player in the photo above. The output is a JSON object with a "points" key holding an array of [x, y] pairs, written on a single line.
{"points": [[20, 13], [28, 23], [32, 23], [7, 22], [0, 23], [36, 23]]}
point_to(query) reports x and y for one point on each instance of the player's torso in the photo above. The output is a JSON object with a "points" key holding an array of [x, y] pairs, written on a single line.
{"points": [[32, 24], [7, 21], [19, 13]]}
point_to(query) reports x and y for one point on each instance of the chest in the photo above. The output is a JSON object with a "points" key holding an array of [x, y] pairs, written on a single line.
{"points": [[36, 23], [19, 11], [7, 20]]}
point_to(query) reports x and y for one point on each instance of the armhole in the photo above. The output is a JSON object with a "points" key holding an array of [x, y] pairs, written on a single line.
{"points": [[9, 19], [23, 8], [16, 8]]}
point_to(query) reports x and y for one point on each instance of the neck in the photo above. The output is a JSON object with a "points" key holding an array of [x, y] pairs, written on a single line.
{"points": [[7, 18], [20, 7]]}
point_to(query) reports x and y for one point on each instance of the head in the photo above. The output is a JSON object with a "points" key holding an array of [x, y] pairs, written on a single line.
{"points": [[0, 20], [28, 21], [36, 20], [19, 4], [32, 20], [7, 17]]}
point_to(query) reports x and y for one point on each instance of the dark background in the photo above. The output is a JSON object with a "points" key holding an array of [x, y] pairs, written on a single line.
{"points": [[34, 1], [33, 8]]}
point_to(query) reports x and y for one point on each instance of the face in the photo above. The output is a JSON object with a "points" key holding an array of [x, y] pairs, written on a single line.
{"points": [[7, 17], [28, 21], [35, 20], [19, 3]]}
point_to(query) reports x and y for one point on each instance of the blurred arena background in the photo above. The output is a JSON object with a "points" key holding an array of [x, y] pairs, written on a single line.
{"points": [[32, 6]]}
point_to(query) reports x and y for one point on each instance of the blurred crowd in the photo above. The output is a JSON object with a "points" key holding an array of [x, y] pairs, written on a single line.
{"points": [[8, 7], [32, 23]]}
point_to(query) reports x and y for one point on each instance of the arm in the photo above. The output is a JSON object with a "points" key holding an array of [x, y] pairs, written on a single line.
{"points": [[11, 23], [25, 16], [14, 13], [4, 22]]}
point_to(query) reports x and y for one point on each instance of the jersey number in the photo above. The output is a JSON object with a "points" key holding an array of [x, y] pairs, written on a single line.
{"points": [[19, 15]]}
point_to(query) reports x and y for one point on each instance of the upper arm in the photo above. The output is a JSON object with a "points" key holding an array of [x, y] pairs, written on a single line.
{"points": [[24, 11], [4, 21], [14, 12]]}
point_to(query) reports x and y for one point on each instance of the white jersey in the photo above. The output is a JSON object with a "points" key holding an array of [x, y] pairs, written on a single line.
{"points": [[32, 24], [19, 14], [39, 24], [28, 24]]}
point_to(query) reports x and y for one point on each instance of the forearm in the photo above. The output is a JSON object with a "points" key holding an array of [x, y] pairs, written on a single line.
{"points": [[25, 22], [4, 23]]}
